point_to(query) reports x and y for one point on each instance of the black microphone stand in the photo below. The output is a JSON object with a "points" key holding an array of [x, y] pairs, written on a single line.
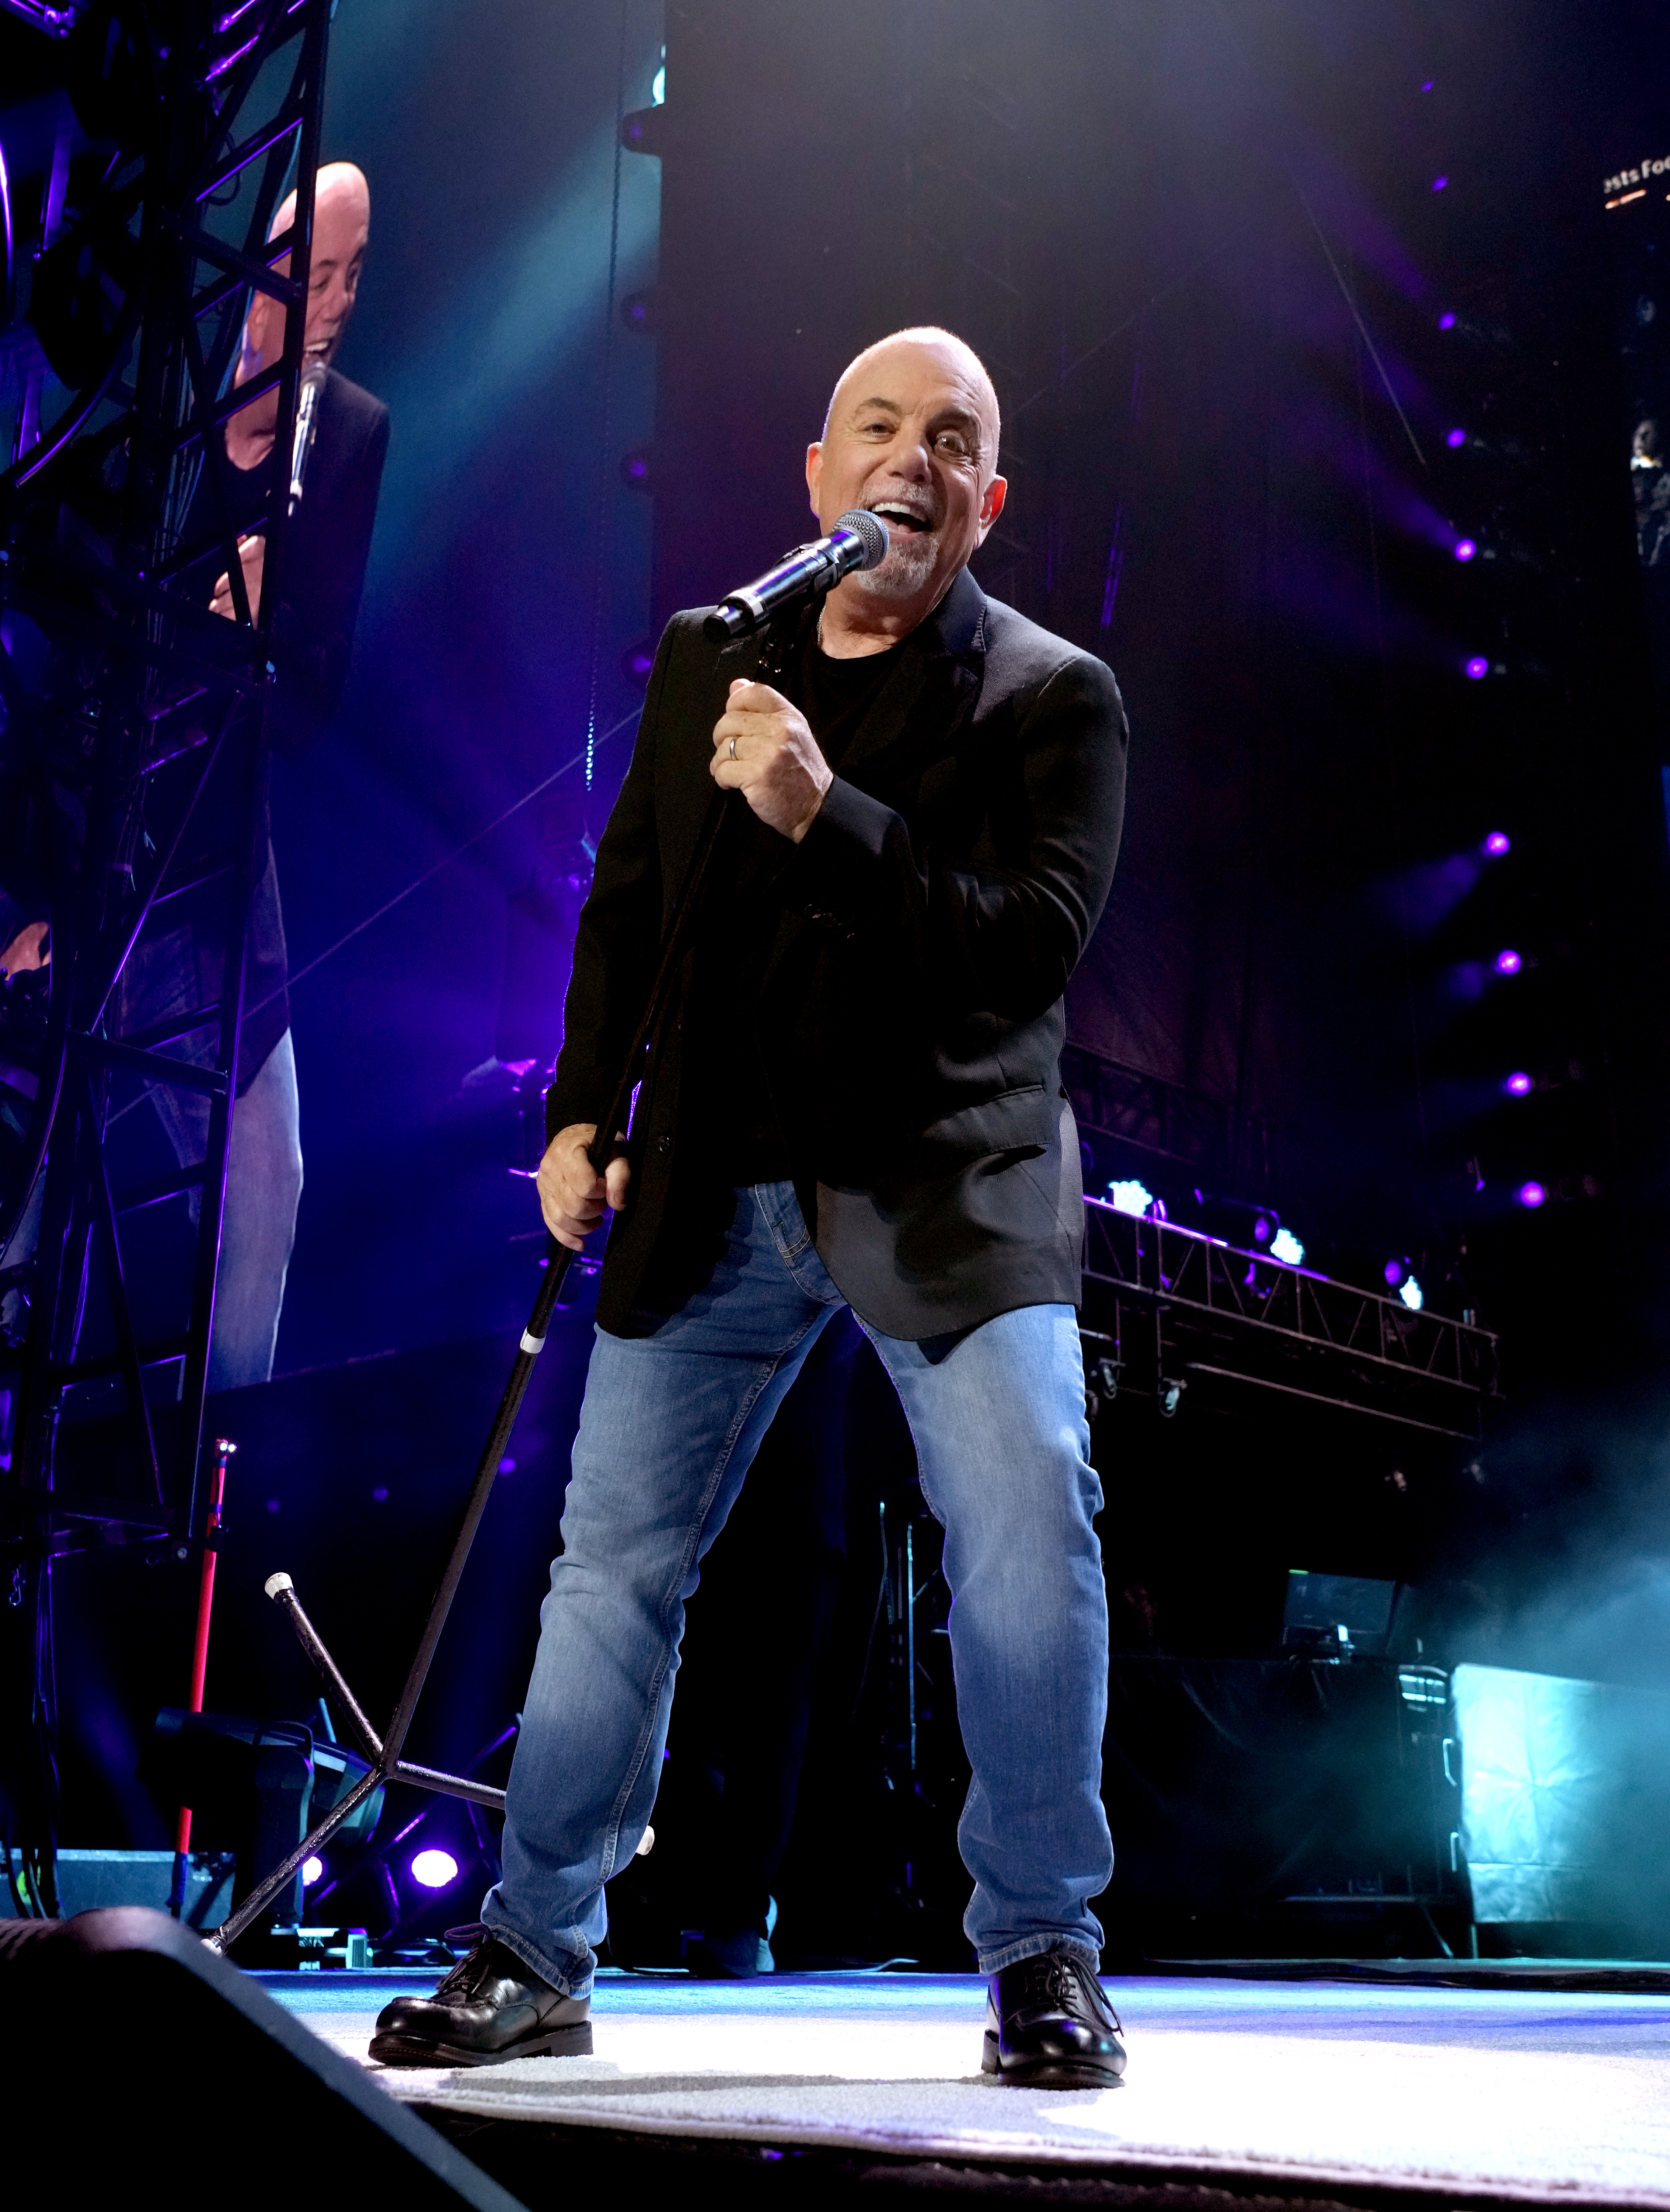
{"points": [[384, 1752]]}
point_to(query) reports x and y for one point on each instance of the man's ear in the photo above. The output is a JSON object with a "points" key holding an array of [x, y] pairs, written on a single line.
{"points": [[991, 506], [263, 328], [814, 470]]}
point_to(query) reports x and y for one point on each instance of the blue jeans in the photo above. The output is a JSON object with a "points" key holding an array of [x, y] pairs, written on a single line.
{"points": [[670, 1424]]}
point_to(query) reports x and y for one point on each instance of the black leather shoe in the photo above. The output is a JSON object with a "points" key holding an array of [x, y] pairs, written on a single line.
{"points": [[490, 2007], [1049, 2027]]}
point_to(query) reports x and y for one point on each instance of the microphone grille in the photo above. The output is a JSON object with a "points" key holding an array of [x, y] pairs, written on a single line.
{"points": [[871, 534]]}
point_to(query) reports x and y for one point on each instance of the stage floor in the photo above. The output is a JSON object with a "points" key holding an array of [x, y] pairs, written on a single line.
{"points": [[1481, 2093]]}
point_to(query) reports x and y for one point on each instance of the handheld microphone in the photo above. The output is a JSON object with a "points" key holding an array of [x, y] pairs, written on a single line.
{"points": [[307, 422], [859, 540]]}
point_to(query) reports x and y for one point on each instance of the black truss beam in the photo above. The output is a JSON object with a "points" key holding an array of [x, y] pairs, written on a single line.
{"points": [[1238, 1316], [138, 673]]}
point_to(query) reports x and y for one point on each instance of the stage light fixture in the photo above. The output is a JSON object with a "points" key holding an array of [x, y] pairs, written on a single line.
{"points": [[1518, 1084], [1446, 322], [1262, 1229], [1394, 1272], [1286, 1247], [311, 1868], [1439, 184], [1455, 438], [1411, 1294], [1497, 843], [434, 1869], [635, 469], [1130, 1197], [1466, 548], [1508, 962], [1531, 1194], [1476, 667]]}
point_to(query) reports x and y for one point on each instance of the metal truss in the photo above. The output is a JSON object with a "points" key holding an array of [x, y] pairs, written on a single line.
{"points": [[1210, 1309], [190, 122]]}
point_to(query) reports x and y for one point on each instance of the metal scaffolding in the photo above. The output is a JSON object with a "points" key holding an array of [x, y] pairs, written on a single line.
{"points": [[179, 130], [1181, 1304]]}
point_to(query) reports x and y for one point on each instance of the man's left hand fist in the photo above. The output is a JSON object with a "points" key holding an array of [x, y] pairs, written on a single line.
{"points": [[763, 748]]}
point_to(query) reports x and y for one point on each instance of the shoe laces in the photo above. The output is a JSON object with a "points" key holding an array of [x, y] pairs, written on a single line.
{"points": [[466, 1979], [1062, 1981], [1058, 1978]]}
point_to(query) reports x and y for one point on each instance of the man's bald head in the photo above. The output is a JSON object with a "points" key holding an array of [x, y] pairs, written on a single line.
{"points": [[957, 355], [342, 226], [341, 200], [911, 435]]}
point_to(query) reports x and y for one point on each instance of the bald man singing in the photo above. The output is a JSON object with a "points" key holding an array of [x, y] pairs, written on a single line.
{"points": [[177, 968], [855, 1101]]}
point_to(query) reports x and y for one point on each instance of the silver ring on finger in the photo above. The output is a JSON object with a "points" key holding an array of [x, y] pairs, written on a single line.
{"points": [[733, 749]]}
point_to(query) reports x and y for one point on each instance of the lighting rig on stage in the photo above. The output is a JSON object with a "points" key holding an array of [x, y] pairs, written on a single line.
{"points": [[176, 131], [1175, 1303]]}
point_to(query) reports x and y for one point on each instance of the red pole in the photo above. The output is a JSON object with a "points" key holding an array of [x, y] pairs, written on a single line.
{"points": [[224, 1448]]}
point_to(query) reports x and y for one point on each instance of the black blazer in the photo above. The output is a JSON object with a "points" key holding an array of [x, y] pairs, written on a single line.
{"points": [[911, 1020], [325, 575]]}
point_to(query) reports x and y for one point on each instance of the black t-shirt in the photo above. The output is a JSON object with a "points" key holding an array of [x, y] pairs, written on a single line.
{"points": [[729, 1130]]}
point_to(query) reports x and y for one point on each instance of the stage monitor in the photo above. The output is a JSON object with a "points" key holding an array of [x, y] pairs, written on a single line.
{"points": [[1343, 1615]]}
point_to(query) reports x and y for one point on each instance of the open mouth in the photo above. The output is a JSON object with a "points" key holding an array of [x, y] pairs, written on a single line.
{"points": [[899, 517]]}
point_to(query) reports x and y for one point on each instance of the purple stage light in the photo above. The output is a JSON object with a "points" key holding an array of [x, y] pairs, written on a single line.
{"points": [[1497, 843], [1446, 322], [1465, 549], [1438, 182], [1394, 1272], [1260, 1231], [1476, 667], [1428, 86], [1517, 1084], [1532, 1194], [1508, 962], [1455, 438], [435, 1869]]}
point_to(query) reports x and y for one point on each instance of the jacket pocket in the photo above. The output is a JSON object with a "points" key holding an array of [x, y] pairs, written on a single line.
{"points": [[1022, 1120]]}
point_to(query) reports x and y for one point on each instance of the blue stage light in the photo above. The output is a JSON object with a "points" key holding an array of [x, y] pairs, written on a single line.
{"points": [[1285, 1246], [1456, 437], [1411, 1294], [311, 1868], [1131, 1197]]}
